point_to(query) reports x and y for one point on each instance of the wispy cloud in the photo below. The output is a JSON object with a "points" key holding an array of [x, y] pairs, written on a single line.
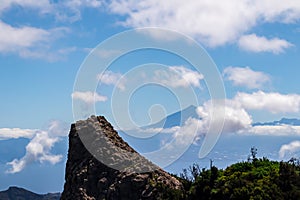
{"points": [[42, 5], [105, 53], [178, 76], [69, 11], [88, 97], [245, 76], [289, 149], [258, 44], [112, 78]]}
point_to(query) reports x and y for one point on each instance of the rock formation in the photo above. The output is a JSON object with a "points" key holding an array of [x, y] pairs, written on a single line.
{"points": [[119, 172]]}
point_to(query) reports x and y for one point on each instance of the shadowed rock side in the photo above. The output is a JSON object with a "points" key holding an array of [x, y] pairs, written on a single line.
{"points": [[88, 178]]}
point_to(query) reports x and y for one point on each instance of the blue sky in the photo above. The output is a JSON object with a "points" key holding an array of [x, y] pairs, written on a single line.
{"points": [[255, 46]]}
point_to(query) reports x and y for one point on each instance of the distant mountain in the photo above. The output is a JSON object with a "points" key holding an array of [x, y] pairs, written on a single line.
{"points": [[15, 193], [154, 143], [283, 121], [176, 118]]}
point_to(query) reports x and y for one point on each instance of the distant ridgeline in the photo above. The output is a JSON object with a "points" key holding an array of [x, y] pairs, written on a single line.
{"points": [[15, 193], [283, 121]]}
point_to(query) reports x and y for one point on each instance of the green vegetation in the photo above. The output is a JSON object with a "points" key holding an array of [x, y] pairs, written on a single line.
{"points": [[258, 178]]}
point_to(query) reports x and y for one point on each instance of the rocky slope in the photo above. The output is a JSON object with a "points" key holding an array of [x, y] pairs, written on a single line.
{"points": [[15, 193], [114, 171]]}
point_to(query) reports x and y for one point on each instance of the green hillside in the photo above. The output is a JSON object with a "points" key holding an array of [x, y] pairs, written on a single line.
{"points": [[255, 179]]}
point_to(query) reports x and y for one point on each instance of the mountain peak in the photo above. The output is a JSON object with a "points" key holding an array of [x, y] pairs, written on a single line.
{"points": [[176, 119], [90, 178]]}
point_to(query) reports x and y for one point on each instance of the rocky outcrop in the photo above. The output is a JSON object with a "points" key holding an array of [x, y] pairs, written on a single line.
{"points": [[13, 193], [113, 170]]}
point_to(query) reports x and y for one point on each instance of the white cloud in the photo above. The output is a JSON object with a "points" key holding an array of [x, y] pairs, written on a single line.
{"points": [[112, 78], [178, 76], [245, 76], [289, 149], [255, 43], [40, 146], [172, 76], [235, 117], [274, 130], [57, 128], [212, 22], [35, 42], [14, 133], [31, 42], [272, 102], [276, 11], [186, 135], [38, 149], [88, 97], [14, 38]]}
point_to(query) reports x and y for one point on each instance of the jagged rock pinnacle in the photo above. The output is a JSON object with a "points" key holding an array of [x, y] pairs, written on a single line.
{"points": [[96, 175]]}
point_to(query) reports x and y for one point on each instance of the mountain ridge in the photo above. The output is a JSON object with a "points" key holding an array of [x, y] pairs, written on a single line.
{"points": [[282, 121], [17, 193]]}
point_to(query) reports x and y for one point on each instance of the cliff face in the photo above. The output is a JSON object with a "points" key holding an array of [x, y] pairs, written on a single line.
{"points": [[118, 173]]}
